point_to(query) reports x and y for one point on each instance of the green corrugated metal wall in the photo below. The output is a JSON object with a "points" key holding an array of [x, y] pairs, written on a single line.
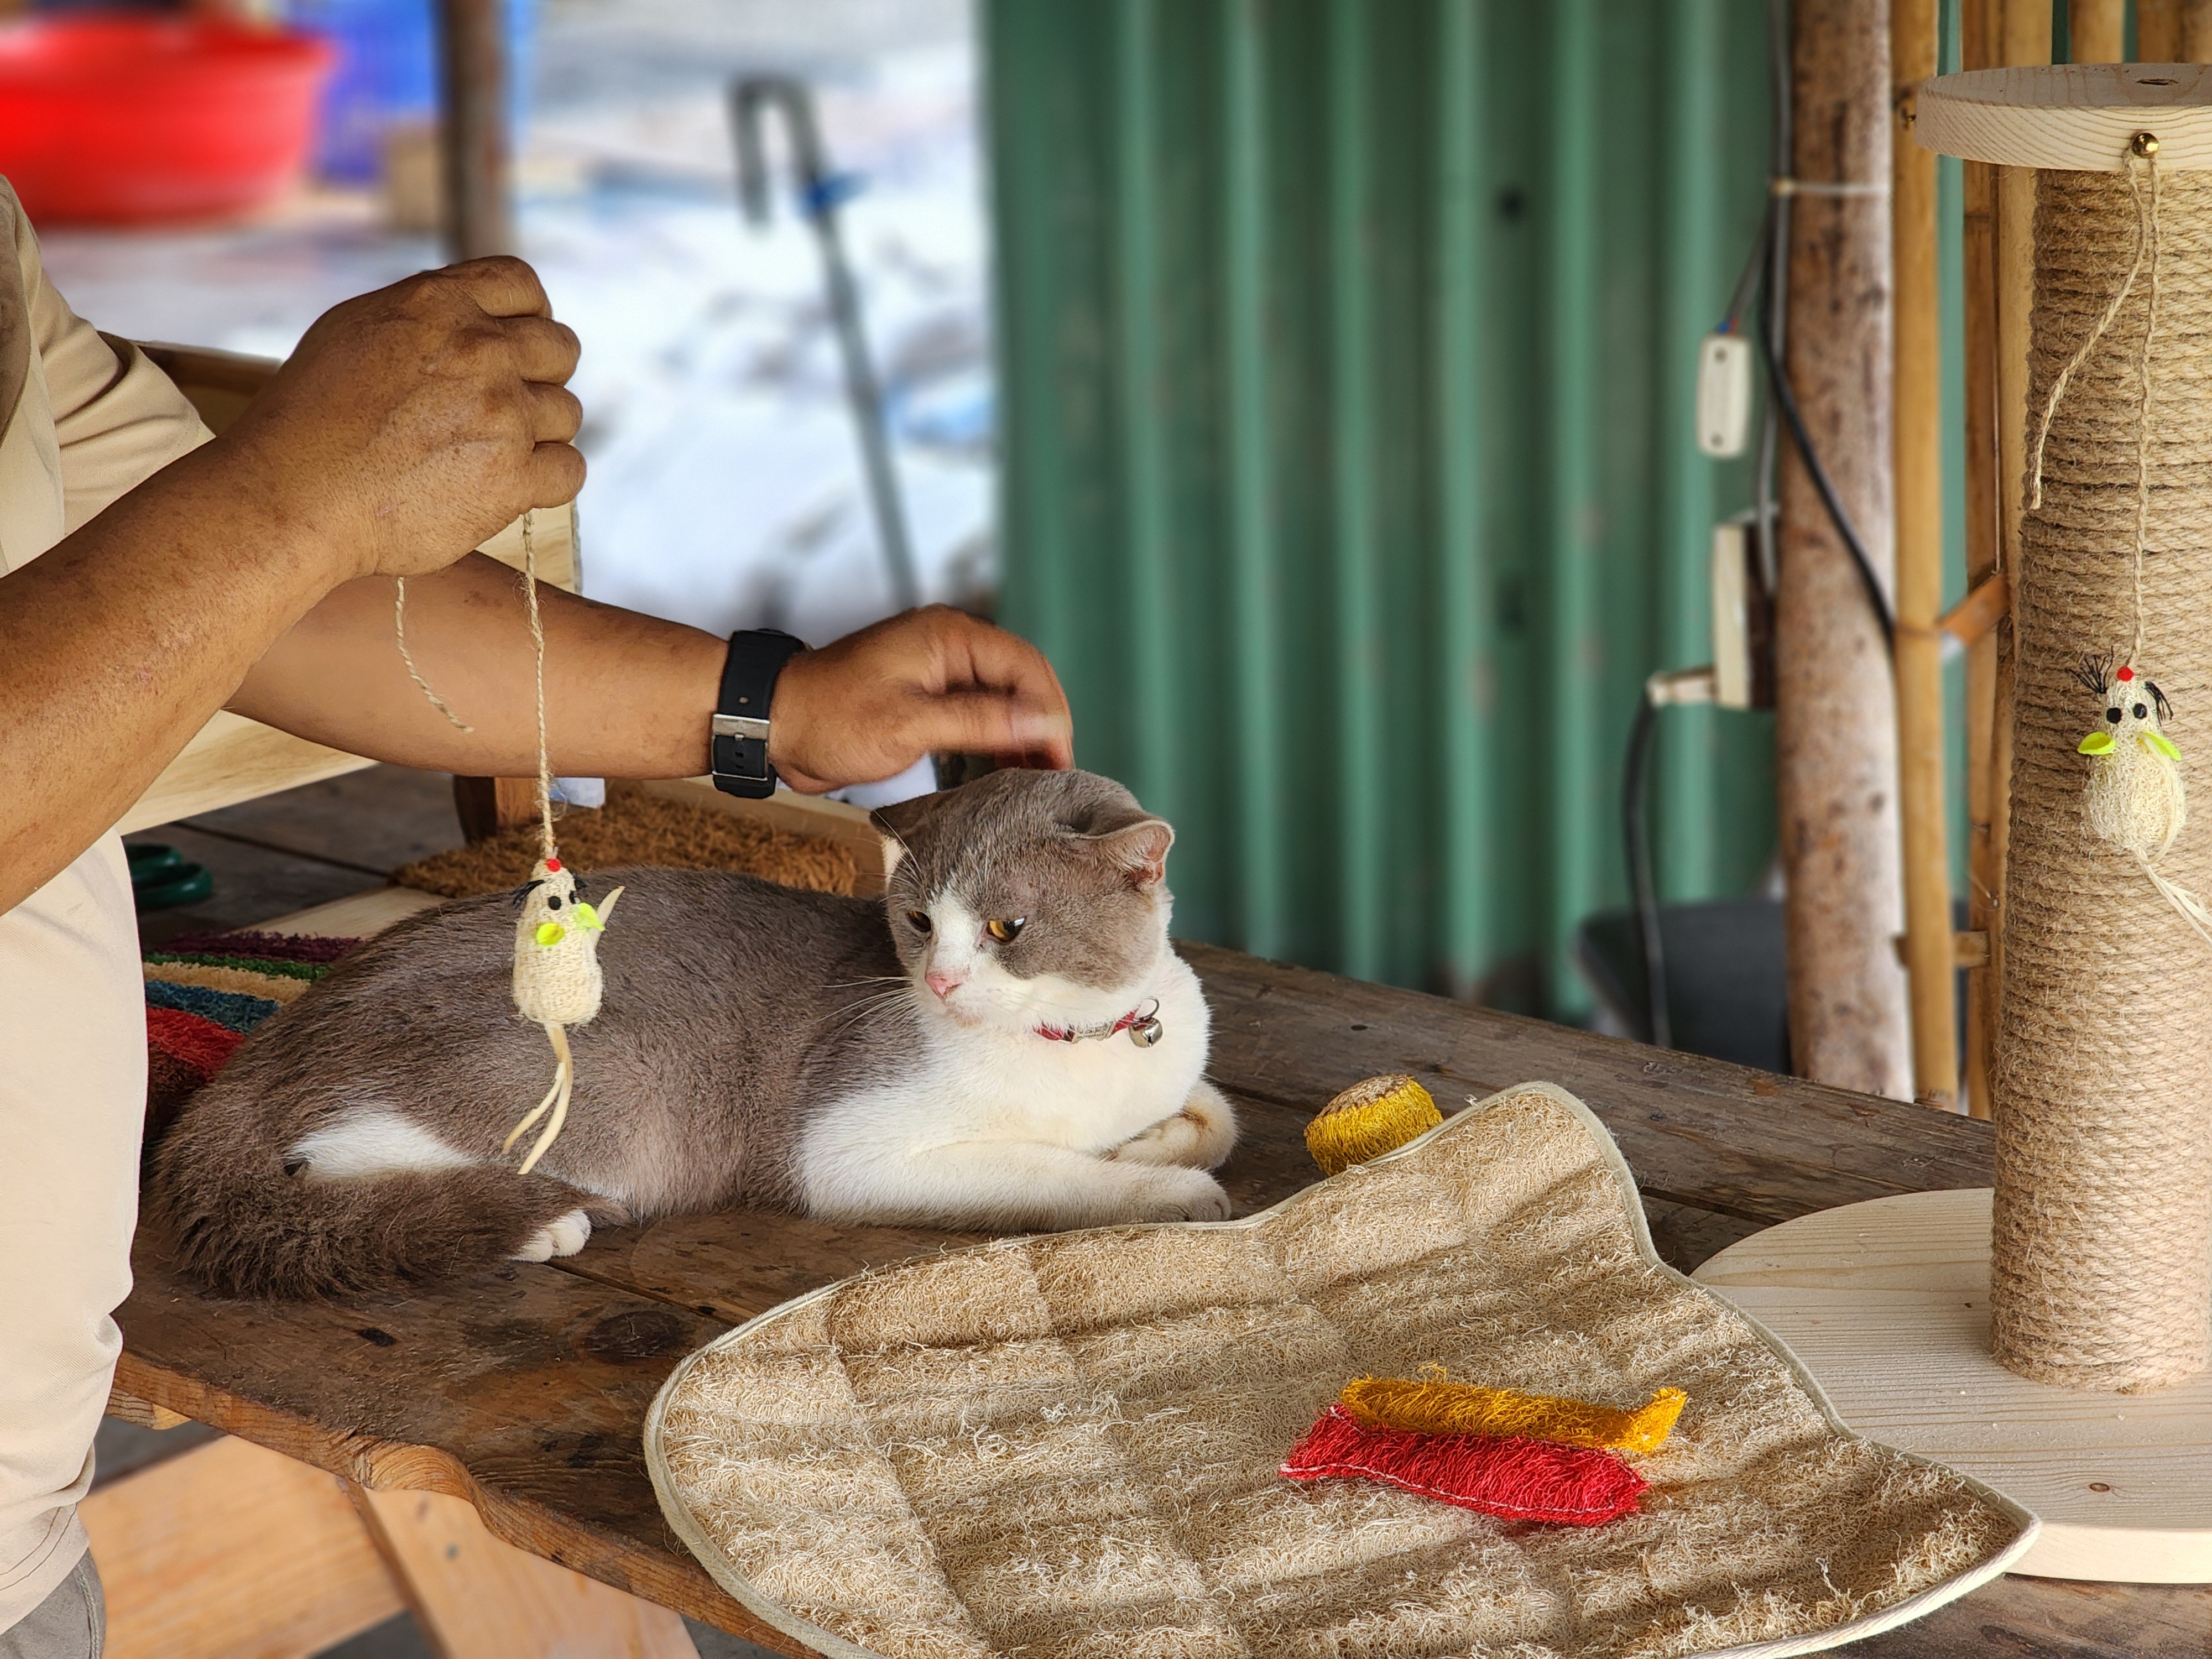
{"points": [[1346, 357]]}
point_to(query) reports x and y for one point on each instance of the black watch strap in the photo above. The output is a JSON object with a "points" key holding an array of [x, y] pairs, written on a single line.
{"points": [[741, 729]]}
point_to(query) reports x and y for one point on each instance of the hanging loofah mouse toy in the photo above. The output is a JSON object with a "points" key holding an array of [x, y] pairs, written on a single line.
{"points": [[557, 982]]}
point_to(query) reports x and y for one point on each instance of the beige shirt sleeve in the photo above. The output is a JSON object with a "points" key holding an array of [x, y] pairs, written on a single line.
{"points": [[118, 420]]}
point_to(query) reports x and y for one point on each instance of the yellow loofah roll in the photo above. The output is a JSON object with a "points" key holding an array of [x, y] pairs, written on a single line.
{"points": [[1370, 1119], [1435, 1406]]}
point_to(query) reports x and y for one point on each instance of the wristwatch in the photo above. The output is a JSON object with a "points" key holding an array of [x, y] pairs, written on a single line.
{"points": [[739, 751]]}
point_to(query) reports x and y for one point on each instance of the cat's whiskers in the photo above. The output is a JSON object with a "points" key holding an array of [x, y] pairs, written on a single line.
{"points": [[857, 1013]]}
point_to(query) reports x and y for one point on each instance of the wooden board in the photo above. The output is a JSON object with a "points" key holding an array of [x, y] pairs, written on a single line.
{"points": [[1887, 1303], [183, 1544], [2080, 116], [229, 760], [475, 1597]]}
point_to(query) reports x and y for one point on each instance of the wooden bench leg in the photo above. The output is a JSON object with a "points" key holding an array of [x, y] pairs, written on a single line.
{"points": [[476, 1596], [231, 1551]]}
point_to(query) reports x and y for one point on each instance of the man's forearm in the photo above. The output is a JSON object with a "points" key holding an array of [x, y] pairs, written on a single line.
{"points": [[119, 642], [626, 696]]}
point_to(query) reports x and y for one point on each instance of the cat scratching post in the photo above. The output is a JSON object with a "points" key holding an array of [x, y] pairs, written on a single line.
{"points": [[2054, 1339]]}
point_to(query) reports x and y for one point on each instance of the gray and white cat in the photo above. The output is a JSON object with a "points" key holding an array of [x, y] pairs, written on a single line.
{"points": [[967, 1054]]}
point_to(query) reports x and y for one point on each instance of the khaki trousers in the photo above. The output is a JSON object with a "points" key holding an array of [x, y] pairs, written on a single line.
{"points": [[72, 1108]]}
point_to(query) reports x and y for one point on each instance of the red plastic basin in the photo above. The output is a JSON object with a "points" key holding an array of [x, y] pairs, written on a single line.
{"points": [[131, 118]]}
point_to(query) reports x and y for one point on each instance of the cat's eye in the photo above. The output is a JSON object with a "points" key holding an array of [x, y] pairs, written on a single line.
{"points": [[1004, 929], [919, 918]]}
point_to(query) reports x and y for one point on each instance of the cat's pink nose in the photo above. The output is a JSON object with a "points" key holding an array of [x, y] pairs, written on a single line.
{"points": [[942, 983]]}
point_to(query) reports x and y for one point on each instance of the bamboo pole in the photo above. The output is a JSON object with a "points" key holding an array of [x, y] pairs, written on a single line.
{"points": [[2158, 32], [1836, 712], [2094, 31], [1978, 50], [2024, 37], [1930, 952], [2196, 31]]}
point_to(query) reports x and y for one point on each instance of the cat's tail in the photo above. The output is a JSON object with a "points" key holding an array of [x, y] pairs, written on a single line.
{"points": [[240, 1220]]}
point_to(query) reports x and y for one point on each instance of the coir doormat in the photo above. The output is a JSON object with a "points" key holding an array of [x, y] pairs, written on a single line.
{"points": [[1071, 1444]]}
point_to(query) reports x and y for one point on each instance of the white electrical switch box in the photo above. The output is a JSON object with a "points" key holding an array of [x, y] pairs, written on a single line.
{"points": [[1723, 395]]}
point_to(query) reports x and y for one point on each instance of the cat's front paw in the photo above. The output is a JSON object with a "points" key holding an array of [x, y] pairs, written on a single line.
{"points": [[1199, 1137], [1179, 1195], [564, 1235]]}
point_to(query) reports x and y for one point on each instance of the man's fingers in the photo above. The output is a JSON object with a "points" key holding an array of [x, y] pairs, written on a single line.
{"points": [[977, 653], [545, 349], [988, 723], [502, 286], [555, 413], [556, 473]]}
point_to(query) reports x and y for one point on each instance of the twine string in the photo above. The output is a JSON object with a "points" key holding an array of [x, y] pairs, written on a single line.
{"points": [[537, 650], [2146, 236], [400, 633]]}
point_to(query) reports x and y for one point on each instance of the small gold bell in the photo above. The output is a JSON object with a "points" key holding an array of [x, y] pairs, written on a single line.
{"points": [[1145, 1032]]}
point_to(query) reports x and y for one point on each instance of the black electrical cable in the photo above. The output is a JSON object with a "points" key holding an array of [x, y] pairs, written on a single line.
{"points": [[1791, 419], [1636, 837]]}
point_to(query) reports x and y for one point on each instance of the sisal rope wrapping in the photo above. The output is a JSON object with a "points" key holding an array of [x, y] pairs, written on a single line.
{"points": [[2102, 1270]]}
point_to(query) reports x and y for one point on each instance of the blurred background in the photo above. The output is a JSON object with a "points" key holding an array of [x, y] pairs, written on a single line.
{"points": [[1314, 381]]}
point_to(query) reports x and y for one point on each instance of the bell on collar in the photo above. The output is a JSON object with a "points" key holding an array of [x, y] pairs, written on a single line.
{"points": [[1147, 1031]]}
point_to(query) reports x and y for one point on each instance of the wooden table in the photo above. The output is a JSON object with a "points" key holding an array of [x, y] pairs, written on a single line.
{"points": [[525, 1393]]}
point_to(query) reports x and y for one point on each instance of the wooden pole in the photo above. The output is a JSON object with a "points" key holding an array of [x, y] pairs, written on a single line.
{"points": [[2095, 31], [473, 129], [478, 215], [1836, 712], [2158, 32], [1978, 42], [1930, 952]]}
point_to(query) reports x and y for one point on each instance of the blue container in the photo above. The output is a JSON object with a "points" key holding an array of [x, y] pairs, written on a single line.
{"points": [[387, 75]]}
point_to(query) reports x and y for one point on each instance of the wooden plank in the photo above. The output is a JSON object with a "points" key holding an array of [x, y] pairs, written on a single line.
{"points": [[231, 1552], [357, 915], [1717, 1136], [231, 759], [475, 1597]]}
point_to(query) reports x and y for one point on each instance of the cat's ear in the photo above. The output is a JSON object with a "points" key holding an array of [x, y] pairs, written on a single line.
{"points": [[1139, 848], [894, 822]]}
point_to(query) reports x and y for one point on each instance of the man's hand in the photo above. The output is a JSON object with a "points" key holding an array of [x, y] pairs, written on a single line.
{"points": [[414, 422], [931, 680]]}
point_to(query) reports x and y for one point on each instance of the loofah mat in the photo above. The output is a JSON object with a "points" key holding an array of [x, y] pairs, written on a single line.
{"points": [[637, 828], [1068, 1444]]}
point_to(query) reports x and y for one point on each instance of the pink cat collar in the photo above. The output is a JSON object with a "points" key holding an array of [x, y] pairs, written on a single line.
{"points": [[1142, 1023]]}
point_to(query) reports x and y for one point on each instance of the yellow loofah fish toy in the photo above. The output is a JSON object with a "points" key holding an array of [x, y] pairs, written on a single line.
{"points": [[1434, 1404]]}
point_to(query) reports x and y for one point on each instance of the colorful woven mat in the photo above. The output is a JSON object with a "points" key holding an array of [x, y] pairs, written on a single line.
{"points": [[204, 992]]}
